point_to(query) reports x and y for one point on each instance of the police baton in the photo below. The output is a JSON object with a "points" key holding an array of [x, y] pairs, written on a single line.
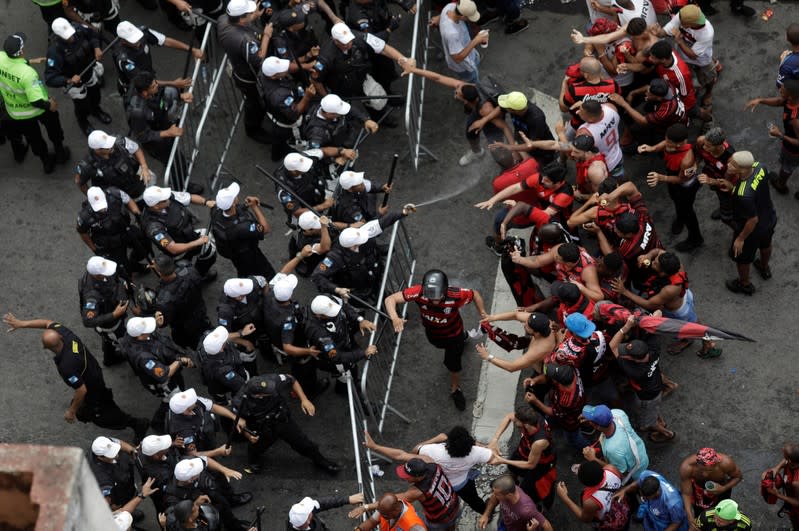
{"points": [[256, 523], [229, 442], [390, 179], [91, 65], [369, 305], [283, 185], [363, 134]]}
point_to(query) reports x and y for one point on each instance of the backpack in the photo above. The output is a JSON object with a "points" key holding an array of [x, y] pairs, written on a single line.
{"points": [[618, 515], [771, 481]]}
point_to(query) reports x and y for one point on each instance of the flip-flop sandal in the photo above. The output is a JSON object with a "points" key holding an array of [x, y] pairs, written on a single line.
{"points": [[679, 346], [710, 353], [765, 273], [669, 390], [657, 437]]}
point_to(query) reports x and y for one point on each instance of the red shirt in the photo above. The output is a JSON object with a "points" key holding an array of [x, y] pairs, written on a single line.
{"points": [[668, 112], [441, 319], [576, 273], [678, 75], [583, 91]]}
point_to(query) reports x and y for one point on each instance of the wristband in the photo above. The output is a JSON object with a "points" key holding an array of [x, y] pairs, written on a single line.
{"points": [[360, 318], [490, 357]]}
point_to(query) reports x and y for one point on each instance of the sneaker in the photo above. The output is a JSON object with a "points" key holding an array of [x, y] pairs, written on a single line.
{"points": [[779, 185], [101, 115], [241, 498], [689, 244], [325, 464], [527, 3], [48, 163], [743, 11], [517, 26], [677, 226], [471, 156], [253, 468], [459, 399], [735, 286], [491, 243], [62, 154]]}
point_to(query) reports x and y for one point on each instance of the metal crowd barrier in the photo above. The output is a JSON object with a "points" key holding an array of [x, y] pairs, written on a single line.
{"points": [[414, 103], [209, 122]]}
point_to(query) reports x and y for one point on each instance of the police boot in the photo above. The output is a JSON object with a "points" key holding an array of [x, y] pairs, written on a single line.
{"points": [[20, 149], [101, 115], [738, 8], [62, 154], [48, 162], [323, 463]]}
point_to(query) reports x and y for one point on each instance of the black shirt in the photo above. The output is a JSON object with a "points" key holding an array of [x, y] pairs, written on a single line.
{"points": [[77, 366], [534, 125], [644, 376], [751, 197]]}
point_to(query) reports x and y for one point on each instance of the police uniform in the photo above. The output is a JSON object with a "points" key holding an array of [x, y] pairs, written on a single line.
{"points": [[242, 43], [120, 169], [148, 117], [343, 73], [78, 367], [131, 60], [288, 44], [341, 131], [69, 58], [51, 10], [281, 99], [234, 315], [162, 471], [176, 223], [112, 233], [116, 480], [99, 298], [335, 340], [299, 241], [150, 360], [374, 16], [355, 207], [26, 103], [310, 186], [222, 372], [262, 405], [101, 14], [343, 268], [237, 238], [198, 431], [181, 302]]}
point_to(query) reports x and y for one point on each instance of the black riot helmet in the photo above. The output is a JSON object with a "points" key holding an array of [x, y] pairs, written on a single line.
{"points": [[434, 284]]}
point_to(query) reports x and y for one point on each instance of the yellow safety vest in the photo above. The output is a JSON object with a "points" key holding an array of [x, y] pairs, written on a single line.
{"points": [[19, 86]]}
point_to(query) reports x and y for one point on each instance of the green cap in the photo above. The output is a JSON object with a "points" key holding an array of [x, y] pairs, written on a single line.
{"points": [[515, 101], [728, 510]]}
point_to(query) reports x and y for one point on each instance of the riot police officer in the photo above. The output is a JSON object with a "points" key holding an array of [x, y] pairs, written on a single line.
{"points": [[262, 405], [103, 305], [352, 265], [242, 305], [220, 364], [330, 328], [132, 55], [98, 14], [157, 362], [285, 101], [246, 50], [190, 419], [180, 301], [332, 126], [304, 177], [168, 222], [294, 40], [316, 233], [104, 226], [111, 462], [238, 228], [374, 16], [355, 201], [153, 113], [72, 52], [113, 161]]}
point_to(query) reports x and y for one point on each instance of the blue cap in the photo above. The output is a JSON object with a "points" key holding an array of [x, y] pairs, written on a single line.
{"points": [[579, 325], [599, 415]]}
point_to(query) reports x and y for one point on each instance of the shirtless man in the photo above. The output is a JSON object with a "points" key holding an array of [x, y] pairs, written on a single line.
{"points": [[572, 262], [705, 479], [542, 341]]}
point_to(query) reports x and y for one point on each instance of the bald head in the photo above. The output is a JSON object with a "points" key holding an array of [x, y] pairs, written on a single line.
{"points": [[51, 340], [550, 233], [590, 66], [389, 506]]}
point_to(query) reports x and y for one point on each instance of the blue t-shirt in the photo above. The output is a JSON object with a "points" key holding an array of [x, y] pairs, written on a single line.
{"points": [[789, 69], [618, 450], [661, 512]]}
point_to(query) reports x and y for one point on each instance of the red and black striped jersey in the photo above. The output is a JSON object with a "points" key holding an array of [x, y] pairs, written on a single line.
{"points": [[583, 90], [442, 319], [440, 501]]}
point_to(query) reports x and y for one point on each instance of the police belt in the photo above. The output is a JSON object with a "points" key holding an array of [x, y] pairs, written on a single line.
{"points": [[248, 81], [295, 127], [111, 330]]}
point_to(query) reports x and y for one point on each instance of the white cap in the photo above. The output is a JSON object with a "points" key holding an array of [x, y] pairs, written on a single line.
{"points": [[137, 326], [349, 179], [226, 196], [101, 140], [214, 341], [350, 237], [332, 103], [309, 221], [97, 265], [237, 8], [183, 401], [468, 9], [152, 444], [297, 162], [188, 469], [324, 305], [105, 447], [236, 287], [155, 194], [123, 520], [96, 198], [274, 65], [128, 32], [299, 512], [342, 33], [284, 287], [63, 28]]}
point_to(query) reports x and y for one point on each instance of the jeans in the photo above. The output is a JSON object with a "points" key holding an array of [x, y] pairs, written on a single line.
{"points": [[469, 76]]}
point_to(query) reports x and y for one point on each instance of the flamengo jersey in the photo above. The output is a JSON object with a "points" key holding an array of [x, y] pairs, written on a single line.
{"points": [[441, 320], [678, 75], [606, 135]]}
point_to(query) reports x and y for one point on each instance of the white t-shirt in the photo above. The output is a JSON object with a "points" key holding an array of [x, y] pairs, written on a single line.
{"points": [[454, 38], [700, 40], [641, 8], [456, 468], [606, 135], [594, 14]]}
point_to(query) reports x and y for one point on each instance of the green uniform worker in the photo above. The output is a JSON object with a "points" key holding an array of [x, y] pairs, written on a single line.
{"points": [[27, 105], [51, 10]]}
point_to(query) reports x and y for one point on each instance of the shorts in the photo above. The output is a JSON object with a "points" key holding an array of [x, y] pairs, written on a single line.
{"points": [[453, 350], [759, 239], [648, 411], [686, 312], [706, 75], [444, 526], [788, 162]]}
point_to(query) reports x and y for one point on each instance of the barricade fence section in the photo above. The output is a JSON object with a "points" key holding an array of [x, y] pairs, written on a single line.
{"points": [[209, 122], [414, 103]]}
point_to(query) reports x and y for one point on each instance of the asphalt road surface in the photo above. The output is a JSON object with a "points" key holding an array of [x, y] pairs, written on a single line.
{"points": [[742, 403]]}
